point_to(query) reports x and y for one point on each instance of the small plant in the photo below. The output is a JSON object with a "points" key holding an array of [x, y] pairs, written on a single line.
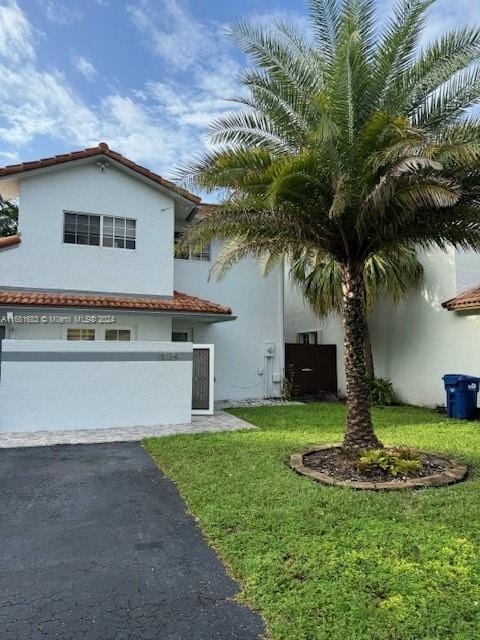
{"points": [[288, 385], [380, 391], [400, 461]]}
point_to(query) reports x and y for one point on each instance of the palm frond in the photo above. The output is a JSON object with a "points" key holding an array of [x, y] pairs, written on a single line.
{"points": [[276, 54], [268, 252], [325, 16], [389, 273], [454, 52], [397, 46], [450, 102], [250, 129]]}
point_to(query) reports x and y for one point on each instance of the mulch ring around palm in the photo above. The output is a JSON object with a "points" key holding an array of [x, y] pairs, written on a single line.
{"points": [[331, 465]]}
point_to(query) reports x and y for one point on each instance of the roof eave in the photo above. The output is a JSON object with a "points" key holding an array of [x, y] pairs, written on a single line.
{"points": [[475, 306], [179, 315], [36, 171]]}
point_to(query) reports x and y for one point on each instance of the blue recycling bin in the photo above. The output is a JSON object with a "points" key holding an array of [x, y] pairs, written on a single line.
{"points": [[461, 393]]}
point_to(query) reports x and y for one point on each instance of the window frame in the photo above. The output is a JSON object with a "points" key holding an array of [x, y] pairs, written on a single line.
{"points": [[101, 230], [185, 332], [81, 328], [193, 256], [76, 214], [130, 329], [309, 335]]}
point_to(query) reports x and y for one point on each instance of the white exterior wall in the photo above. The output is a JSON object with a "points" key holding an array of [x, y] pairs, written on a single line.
{"points": [[299, 319], [416, 342], [143, 327], [40, 394], [467, 270], [43, 261], [241, 369]]}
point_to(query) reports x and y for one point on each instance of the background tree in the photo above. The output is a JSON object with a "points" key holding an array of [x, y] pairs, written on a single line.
{"points": [[356, 143], [390, 274], [8, 219]]}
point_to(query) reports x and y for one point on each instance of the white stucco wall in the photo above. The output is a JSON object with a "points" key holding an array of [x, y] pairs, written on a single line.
{"points": [[416, 342], [299, 319], [241, 369], [107, 387], [42, 260], [142, 327], [467, 270]]}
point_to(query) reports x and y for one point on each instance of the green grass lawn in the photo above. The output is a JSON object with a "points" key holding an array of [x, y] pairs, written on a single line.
{"points": [[332, 563]]}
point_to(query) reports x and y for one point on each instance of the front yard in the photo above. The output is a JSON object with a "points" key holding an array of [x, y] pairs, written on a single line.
{"points": [[331, 563]]}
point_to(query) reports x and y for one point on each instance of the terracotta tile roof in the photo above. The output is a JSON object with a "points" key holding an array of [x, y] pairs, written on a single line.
{"points": [[181, 302], [9, 241], [101, 149], [467, 300]]}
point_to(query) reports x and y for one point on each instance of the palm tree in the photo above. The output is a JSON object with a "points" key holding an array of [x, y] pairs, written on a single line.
{"points": [[390, 274], [8, 218], [350, 144]]}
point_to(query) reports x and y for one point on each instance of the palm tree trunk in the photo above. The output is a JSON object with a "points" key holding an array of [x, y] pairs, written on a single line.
{"points": [[367, 347], [359, 433]]}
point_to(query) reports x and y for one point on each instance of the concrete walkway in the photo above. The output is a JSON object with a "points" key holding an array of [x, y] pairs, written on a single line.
{"points": [[96, 544], [220, 421]]}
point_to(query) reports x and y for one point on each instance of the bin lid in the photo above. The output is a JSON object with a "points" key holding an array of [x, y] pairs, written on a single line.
{"points": [[454, 378]]}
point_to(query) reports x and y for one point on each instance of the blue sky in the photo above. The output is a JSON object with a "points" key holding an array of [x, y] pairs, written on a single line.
{"points": [[146, 76]]}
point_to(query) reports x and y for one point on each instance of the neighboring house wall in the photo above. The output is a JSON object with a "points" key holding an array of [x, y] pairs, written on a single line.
{"points": [[241, 368], [94, 385], [42, 260], [467, 270], [417, 341]]}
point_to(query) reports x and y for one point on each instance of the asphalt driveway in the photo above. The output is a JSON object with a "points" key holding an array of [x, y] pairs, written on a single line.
{"points": [[95, 544]]}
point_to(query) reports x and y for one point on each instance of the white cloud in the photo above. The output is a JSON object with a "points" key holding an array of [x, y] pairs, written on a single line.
{"points": [[16, 33], [202, 51], [61, 13], [442, 16], [162, 124], [172, 32], [34, 102], [85, 67], [448, 14]]}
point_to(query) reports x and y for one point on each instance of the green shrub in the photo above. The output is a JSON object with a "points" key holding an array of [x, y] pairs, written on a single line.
{"points": [[288, 385], [380, 391], [401, 461]]}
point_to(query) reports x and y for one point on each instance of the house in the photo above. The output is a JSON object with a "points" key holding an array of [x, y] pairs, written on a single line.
{"points": [[102, 325], [432, 331]]}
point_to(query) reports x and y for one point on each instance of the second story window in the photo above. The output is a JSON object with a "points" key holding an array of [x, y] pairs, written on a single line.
{"points": [[105, 231], [201, 256], [119, 232], [80, 228]]}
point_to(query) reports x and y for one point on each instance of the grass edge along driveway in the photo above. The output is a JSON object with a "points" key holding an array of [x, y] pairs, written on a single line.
{"points": [[331, 563]]}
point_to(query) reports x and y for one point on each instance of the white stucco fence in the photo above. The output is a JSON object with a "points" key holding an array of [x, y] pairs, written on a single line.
{"points": [[55, 384]]}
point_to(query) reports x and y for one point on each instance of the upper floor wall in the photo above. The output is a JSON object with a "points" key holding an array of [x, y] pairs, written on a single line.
{"points": [[243, 367], [467, 270], [44, 260]]}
